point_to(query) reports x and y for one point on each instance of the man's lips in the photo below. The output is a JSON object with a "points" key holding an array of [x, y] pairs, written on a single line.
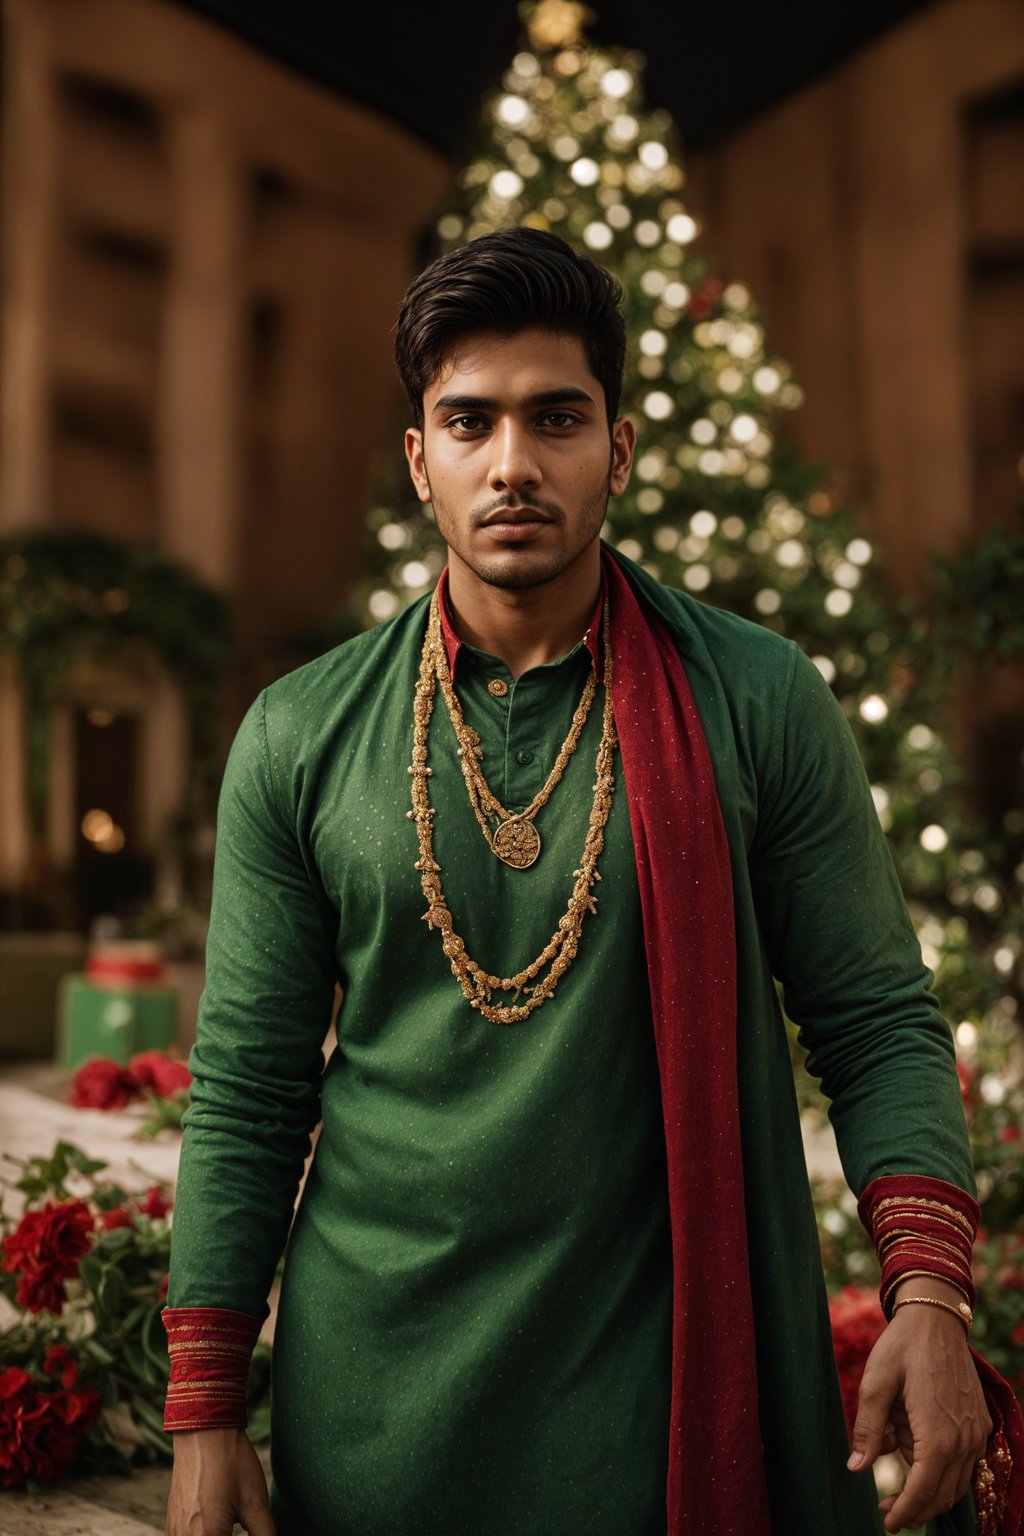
{"points": [[517, 525], [514, 516]]}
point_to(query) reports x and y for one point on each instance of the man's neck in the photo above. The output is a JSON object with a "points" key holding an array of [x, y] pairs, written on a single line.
{"points": [[524, 627]]}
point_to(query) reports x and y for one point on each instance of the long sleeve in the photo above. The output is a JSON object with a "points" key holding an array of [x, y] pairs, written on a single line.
{"points": [[257, 1060], [841, 942]]}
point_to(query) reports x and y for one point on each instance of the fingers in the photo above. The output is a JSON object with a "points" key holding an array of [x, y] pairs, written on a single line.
{"points": [[933, 1486], [902, 1432], [930, 1490], [939, 1415], [963, 1482], [253, 1503], [872, 1432], [259, 1523], [254, 1516]]}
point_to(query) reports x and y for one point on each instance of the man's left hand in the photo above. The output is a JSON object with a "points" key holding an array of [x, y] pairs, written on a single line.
{"points": [[920, 1395]]}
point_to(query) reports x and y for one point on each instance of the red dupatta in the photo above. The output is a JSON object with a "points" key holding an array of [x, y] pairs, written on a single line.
{"points": [[716, 1476], [716, 1479]]}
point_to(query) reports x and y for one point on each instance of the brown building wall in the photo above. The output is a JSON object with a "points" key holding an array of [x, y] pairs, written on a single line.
{"points": [[202, 258], [878, 216]]}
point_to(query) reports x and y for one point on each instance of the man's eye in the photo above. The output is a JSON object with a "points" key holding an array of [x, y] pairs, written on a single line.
{"points": [[466, 423], [560, 420]]}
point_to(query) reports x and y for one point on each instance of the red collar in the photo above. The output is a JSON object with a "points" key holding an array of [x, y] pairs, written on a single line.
{"points": [[453, 645]]}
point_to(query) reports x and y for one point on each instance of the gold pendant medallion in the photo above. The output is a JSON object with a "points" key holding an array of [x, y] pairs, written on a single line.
{"points": [[517, 843]]}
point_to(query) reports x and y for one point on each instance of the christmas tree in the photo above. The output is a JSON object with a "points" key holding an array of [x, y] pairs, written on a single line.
{"points": [[720, 506]]}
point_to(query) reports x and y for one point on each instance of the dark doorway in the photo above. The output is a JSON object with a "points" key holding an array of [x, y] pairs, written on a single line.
{"points": [[111, 873]]}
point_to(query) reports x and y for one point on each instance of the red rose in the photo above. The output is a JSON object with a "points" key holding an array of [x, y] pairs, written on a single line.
{"points": [[160, 1074], [155, 1203], [102, 1084], [18, 1400], [61, 1363], [46, 1246], [40, 1291], [55, 1236], [1017, 1335], [857, 1323], [40, 1433], [120, 1216], [1011, 1134], [79, 1410]]}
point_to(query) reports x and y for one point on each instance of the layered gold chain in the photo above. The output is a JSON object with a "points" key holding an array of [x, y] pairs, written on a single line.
{"points": [[477, 984], [516, 840]]}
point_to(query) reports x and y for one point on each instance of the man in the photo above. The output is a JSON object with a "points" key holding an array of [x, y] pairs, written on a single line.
{"points": [[554, 1269]]}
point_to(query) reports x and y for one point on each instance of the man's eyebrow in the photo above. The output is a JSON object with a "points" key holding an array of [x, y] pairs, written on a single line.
{"points": [[565, 396], [466, 403], [568, 394]]}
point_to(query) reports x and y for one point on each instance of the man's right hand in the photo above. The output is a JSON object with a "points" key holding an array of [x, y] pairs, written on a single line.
{"points": [[217, 1479]]}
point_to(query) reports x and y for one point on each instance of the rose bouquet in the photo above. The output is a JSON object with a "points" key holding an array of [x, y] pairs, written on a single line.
{"points": [[162, 1081], [83, 1357]]}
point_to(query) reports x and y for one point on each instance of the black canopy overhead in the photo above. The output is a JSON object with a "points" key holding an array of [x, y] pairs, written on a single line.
{"points": [[712, 66]]}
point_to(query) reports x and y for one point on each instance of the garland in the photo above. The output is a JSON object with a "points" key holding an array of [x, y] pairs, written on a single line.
{"points": [[69, 597]]}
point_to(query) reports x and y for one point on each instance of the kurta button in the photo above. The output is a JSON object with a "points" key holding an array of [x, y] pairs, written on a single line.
{"points": [[524, 758], [497, 688]]}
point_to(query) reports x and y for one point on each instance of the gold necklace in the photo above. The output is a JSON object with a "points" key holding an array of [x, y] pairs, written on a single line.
{"points": [[476, 983], [516, 840]]}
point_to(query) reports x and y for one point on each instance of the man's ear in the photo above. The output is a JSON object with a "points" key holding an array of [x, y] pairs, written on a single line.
{"points": [[623, 446], [416, 462]]}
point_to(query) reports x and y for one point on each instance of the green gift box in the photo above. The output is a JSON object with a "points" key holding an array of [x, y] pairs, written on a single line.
{"points": [[117, 1021]]}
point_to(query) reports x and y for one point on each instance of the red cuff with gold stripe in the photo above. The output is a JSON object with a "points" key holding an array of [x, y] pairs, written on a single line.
{"points": [[209, 1349], [927, 1227], [920, 1226]]}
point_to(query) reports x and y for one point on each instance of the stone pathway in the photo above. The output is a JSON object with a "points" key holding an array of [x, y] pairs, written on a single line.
{"points": [[110, 1506], [94, 1506]]}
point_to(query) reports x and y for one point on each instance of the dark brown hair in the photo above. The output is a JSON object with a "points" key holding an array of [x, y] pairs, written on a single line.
{"points": [[512, 280]]}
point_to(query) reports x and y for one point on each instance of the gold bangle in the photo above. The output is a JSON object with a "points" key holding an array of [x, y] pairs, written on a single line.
{"points": [[919, 1274], [899, 1237], [963, 1311], [908, 1214]]}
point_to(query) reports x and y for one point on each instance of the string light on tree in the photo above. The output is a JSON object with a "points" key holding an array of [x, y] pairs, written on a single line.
{"points": [[719, 504]]}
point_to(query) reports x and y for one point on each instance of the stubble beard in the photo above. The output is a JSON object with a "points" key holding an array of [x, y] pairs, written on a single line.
{"points": [[519, 570]]}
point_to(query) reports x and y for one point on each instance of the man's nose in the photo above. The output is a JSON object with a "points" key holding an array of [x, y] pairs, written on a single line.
{"points": [[514, 461]]}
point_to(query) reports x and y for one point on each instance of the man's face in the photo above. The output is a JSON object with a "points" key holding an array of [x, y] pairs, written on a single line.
{"points": [[515, 456]]}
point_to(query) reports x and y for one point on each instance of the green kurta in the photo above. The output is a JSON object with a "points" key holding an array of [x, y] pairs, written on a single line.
{"points": [[474, 1326], [475, 1320]]}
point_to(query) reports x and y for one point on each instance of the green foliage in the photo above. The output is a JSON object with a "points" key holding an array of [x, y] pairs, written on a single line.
{"points": [[999, 1316], [166, 1113], [978, 608], [70, 597], [44, 1176]]}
